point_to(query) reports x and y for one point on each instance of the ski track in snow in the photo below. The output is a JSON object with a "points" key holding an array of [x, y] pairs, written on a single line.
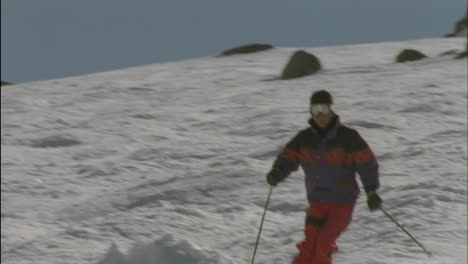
{"points": [[165, 163]]}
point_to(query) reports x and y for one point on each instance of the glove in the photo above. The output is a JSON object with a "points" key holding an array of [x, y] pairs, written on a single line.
{"points": [[273, 177], [373, 199]]}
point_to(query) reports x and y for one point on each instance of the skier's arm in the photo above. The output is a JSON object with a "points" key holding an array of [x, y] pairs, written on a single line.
{"points": [[366, 163], [288, 159]]}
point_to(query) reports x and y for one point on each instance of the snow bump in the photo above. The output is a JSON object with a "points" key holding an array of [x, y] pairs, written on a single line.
{"points": [[57, 141], [166, 250]]}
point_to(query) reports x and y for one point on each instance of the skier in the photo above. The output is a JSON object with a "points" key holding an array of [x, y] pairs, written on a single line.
{"points": [[330, 154]]}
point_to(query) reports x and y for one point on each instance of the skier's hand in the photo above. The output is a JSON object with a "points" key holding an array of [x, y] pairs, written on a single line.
{"points": [[273, 177], [373, 200]]}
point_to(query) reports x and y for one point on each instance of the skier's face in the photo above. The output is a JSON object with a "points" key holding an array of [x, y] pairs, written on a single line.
{"points": [[322, 120], [322, 114]]}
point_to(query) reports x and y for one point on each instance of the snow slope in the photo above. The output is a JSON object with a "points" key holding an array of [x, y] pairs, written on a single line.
{"points": [[165, 163]]}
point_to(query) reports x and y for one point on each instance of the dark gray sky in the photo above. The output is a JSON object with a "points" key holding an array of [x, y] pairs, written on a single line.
{"points": [[45, 39]]}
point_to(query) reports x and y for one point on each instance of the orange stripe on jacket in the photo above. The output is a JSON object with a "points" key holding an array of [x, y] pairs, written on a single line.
{"points": [[338, 159], [303, 157], [289, 154], [363, 156], [307, 156]]}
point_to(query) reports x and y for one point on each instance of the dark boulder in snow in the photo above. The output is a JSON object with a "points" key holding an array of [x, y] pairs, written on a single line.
{"points": [[5, 83], [251, 48], [301, 64], [410, 55], [457, 53], [461, 27], [450, 52], [462, 55]]}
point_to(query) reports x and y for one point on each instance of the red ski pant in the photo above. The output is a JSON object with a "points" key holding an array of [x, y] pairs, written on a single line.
{"points": [[324, 224]]}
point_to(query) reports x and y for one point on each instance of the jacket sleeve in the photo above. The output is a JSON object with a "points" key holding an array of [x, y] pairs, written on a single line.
{"points": [[365, 163], [288, 159]]}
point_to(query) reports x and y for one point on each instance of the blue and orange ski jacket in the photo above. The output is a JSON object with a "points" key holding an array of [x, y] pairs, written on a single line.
{"points": [[330, 163]]}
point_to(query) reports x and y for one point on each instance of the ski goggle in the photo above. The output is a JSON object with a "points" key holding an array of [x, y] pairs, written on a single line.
{"points": [[317, 109]]}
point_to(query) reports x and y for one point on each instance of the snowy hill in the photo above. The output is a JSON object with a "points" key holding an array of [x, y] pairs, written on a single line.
{"points": [[165, 163]]}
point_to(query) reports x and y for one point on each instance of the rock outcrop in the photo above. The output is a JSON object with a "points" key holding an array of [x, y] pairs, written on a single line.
{"points": [[461, 27], [251, 48], [301, 64], [409, 55]]}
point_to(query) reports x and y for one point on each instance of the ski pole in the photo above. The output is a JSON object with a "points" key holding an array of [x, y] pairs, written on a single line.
{"points": [[261, 224], [428, 252]]}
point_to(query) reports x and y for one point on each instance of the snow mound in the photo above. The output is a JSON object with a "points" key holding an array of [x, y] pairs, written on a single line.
{"points": [[166, 250]]}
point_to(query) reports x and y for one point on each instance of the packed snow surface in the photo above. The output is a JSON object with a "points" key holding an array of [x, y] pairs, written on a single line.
{"points": [[166, 163]]}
